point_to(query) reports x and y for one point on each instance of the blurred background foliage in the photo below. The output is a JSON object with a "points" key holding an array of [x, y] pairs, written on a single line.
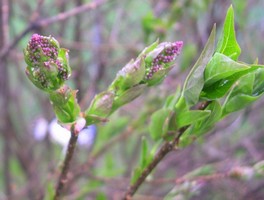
{"points": [[101, 41]]}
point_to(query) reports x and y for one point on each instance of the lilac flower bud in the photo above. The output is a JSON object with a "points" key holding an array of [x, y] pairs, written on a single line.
{"points": [[65, 104], [48, 66], [159, 61]]}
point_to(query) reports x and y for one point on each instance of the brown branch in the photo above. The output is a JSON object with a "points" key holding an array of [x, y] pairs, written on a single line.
{"points": [[66, 164], [164, 150], [4, 91]]}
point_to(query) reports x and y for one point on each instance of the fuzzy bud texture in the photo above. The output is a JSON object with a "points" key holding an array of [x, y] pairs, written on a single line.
{"points": [[47, 63], [167, 53]]}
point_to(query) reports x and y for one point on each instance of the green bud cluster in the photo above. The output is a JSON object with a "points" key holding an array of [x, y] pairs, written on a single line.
{"points": [[48, 69], [148, 69]]}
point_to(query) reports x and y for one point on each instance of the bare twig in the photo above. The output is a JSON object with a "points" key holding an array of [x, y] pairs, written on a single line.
{"points": [[66, 164], [164, 150]]}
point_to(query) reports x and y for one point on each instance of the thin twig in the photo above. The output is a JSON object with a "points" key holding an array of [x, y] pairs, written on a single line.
{"points": [[66, 164], [164, 150]]}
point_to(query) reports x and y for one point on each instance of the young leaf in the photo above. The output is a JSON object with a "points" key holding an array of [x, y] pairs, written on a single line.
{"points": [[172, 99], [159, 123], [128, 96], [221, 87], [144, 153], [130, 75], [195, 81], [258, 87], [244, 85], [238, 102], [207, 123], [227, 44], [101, 105], [190, 117], [65, 104], [221, 67], [244, 93], [135, 175]]}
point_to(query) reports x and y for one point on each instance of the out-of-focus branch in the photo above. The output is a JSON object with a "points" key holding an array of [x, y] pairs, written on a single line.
{"points": [[99, 61], [45, 22], [4, 91], [5, 25]]}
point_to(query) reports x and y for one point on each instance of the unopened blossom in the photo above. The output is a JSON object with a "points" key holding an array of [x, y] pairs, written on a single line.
{"points": [[162, 57], [48, 66]]}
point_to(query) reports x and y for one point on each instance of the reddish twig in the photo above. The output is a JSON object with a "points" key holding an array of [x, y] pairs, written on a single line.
{"points": [[66, 164]]}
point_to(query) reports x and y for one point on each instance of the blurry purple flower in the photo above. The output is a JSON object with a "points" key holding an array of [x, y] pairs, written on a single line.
{"points": [[40, 129], [61, 135]]}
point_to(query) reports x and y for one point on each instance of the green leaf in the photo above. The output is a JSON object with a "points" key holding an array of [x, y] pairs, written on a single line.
{"points": [[50, 191], [190, 117], [258, 87], [154, 150], [144, 153], [201, 127], [221, 67], [244, 92], [128, 96], [244, 85], [101, 105], [65, 105], [221, 87], [216, 111], [238, 102], [207, 123], [159, 123], [195, 81], [227, 43], [136, 174], [130, 75], [172, 99]]}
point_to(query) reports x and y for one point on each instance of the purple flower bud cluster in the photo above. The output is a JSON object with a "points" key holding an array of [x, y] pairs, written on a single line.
{"points": [[39, 44], [167, 55], [46, 66]]}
